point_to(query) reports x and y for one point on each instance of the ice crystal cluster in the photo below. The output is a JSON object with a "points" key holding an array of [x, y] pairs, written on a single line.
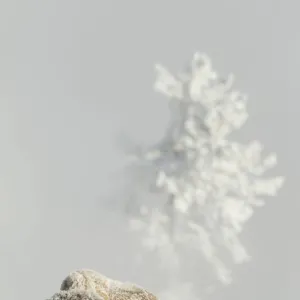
{"points": [[209, 183]]}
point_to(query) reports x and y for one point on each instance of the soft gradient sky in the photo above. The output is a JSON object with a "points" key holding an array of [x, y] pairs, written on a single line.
{"points": [[74, 73]]}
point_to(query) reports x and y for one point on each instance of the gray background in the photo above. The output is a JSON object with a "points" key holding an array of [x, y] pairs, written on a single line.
{"points": [[73, 73]]}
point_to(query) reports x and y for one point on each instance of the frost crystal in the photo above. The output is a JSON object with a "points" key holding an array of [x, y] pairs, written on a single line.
{"points": [[209, 184]]}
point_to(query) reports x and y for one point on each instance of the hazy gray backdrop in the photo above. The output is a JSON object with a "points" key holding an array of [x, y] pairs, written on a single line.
{"points": [[72, 73]]}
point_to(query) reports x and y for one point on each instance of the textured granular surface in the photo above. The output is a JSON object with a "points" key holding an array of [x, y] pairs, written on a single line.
{"points": [[105, 288], [76, 295]]}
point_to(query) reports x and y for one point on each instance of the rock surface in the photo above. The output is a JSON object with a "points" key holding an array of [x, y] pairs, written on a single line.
{"points": [[90, 285]]}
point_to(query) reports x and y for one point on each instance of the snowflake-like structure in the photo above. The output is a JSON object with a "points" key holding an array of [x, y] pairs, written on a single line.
{"points": [[211, 182]]}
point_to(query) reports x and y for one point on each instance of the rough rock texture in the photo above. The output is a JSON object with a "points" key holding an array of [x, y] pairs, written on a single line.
{"points": [[75, 295], [98, 285]]}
